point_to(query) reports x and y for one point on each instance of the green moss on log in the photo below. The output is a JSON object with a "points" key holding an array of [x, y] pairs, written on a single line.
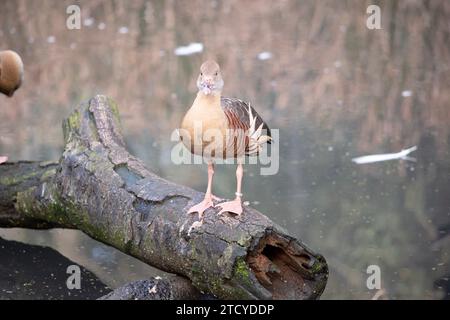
{"points": [[16, 179], [242, 271]]}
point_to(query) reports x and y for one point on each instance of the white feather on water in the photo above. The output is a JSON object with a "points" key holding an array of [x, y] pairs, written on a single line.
{"points": [[402, 155], [193, 47]]}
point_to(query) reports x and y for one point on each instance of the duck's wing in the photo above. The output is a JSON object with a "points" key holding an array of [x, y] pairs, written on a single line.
{"points": [[241, 115]]}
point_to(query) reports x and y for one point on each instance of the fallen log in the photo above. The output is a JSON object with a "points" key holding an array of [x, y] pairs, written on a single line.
{"points": [[171, 288], [100, 188]]}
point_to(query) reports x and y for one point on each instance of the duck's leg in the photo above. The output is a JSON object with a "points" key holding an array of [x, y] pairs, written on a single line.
{"points": [[234, 206], [209, 197], [3, 159]]}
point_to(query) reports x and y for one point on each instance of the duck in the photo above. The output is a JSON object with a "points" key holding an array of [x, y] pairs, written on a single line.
{"points": [[11, 72], [217, 127], [11, 77]]}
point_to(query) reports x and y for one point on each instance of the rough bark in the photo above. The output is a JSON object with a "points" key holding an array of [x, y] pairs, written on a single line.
{"points": [[101, 189], [172, 288], [16, 178]]}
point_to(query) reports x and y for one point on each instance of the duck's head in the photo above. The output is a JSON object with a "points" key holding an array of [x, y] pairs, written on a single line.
{"points": [[210, 80]]}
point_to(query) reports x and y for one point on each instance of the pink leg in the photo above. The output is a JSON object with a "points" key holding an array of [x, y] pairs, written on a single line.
{"points": [[208, 200], [234, 206], [3, 159]]}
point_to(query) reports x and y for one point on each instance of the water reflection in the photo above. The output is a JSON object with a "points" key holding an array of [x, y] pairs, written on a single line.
{"points": [[36, 272], [111, 266], [335, 90]]}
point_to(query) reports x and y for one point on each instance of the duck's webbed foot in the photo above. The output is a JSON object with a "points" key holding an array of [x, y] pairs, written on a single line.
{"points": [[234, 206], [202, 206]]}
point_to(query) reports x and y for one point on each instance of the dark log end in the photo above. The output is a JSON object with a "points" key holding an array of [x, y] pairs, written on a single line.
{"points": [[287, 269]]}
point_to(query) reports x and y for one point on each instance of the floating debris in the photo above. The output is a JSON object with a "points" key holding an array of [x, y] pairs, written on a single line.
{"points": [[88, 22], [101, 26], [406, 93], [265, 55], [191, 48], [123, 30], [402, 155], [51, 39]]}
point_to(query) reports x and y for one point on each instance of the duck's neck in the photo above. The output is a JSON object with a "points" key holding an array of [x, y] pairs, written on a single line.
{"points": [[212, 100]]}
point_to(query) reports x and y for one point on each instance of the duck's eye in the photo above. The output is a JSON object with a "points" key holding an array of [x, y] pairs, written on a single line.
{"points": [[201, 73], [216, 73]]}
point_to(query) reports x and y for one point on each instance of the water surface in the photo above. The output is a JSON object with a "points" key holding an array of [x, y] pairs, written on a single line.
{"points": [[334, 89]]}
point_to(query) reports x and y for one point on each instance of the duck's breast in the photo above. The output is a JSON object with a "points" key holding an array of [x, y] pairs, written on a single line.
{"points": [[203, 129]]}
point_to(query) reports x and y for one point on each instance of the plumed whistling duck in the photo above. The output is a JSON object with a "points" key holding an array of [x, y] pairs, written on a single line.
{"points": [[11, 76], [219, 127]]}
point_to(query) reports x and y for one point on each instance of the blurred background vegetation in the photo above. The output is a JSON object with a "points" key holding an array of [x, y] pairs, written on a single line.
{"points": [[334, 89]]}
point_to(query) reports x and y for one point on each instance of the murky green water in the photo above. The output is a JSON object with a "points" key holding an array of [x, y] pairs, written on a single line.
{"points": [[334, 89]]}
